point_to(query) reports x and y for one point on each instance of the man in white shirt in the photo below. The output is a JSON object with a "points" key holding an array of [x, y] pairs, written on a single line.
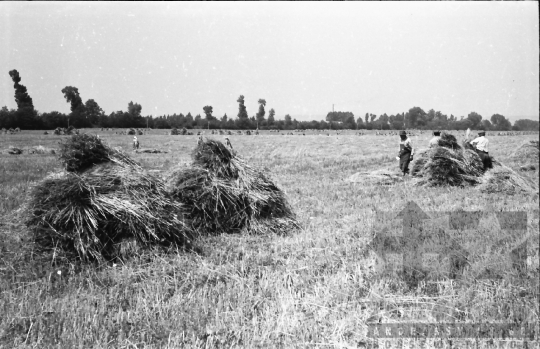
{"points": [[435, 140], [481, 146]]}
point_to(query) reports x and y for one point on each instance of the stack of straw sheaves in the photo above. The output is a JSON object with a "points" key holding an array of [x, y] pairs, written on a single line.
{"points": [[102, 199], [450, 164], [223, 194]]}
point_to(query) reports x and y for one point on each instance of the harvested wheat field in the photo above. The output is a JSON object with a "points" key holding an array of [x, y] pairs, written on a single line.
{"points": [[94, 249]]}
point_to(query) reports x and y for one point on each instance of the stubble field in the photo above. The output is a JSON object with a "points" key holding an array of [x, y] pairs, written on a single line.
{"points": [[320, 286]]}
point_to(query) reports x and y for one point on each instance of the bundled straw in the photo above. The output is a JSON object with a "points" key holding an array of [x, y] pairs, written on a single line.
{"points": [[82, 151], [442, 166], [88, 211], [214, 205], [87, 214], [225, 195], [502, 179], [448, 141], [527, 152], [214, 156]]}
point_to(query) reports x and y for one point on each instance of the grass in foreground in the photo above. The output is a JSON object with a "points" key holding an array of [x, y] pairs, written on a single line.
{"points": [[318, 287]]}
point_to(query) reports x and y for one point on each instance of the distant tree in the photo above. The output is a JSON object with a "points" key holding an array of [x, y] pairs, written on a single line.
{"points": [[198, 121], [93, 112], [26, 116], [242, 112], [208, 110], [526, 125], [486, 125], [261, 112], [7, 118], [22, 98], [349, 122], [71, 94], [475, 119], [430, 115], [500, 123], [373, 117], [416, 114], [288, 120], [53, 120], [134, 109], [271, 117], [189, 120], [367, 118], [243, 118], [224, 120], [77, 117]]}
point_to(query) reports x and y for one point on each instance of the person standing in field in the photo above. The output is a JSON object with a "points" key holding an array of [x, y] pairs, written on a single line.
{"points": [[406, 152], [135, 143], [435, 140], [480, 144]]}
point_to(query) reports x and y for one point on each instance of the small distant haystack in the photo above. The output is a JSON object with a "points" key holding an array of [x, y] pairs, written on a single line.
{"points": [[41, 150], [45, 133], [101, 201], [527, 152], [132, 132], [71, 131], [174, 131], [140, 132], [59, 131], [223, 194], [14, 150], [184, 131], [502, 179], [17, 130]]}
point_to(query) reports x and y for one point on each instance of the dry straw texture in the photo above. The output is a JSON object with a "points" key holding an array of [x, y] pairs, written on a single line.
{"points": [[446, 167], [528, 152], [449, 141], [82, 151], [87, 214], [502, 179], [223, 194]]}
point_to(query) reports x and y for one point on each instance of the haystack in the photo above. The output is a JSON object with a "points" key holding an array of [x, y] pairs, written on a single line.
{"points": [[502, 179], [223, 194], [41, 150], [448, 141], [174, 131], [102, 199], [132, 132], [442, 166], [528, 152], [14, 150], [82, 151]]}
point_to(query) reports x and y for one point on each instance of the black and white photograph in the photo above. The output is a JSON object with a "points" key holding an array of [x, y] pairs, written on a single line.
{"points": [[269, 174]]}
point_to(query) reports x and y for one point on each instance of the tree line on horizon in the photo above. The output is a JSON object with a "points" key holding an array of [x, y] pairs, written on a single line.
{"points": [[89, 114]]}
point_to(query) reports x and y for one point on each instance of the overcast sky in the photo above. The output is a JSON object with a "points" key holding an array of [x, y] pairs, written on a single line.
{"points": [[301, 57]]}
